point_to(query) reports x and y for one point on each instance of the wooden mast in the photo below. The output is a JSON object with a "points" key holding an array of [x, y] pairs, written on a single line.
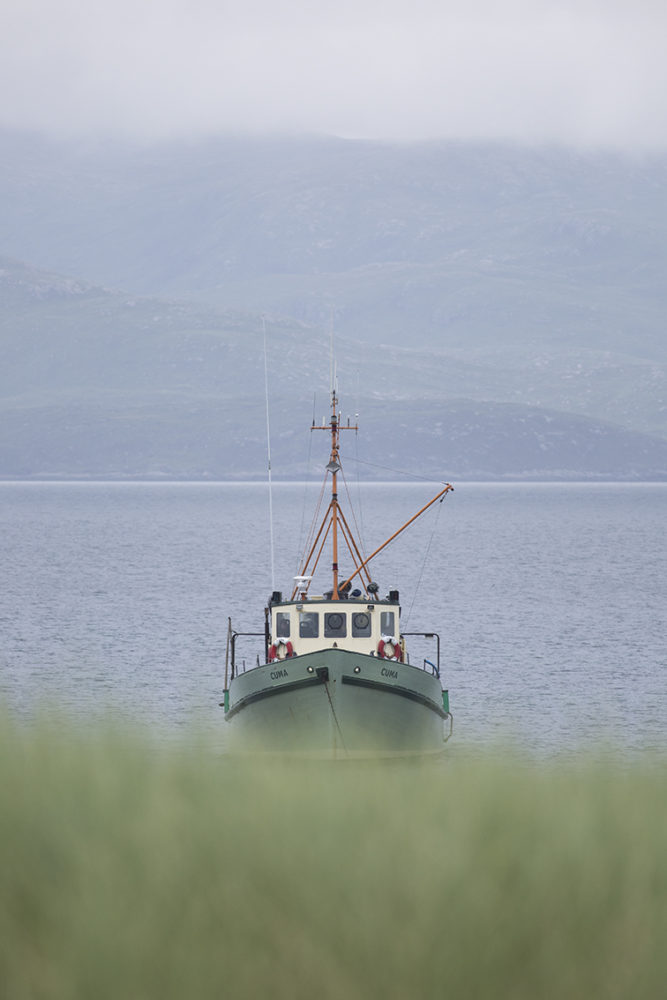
{"points": [[334, 467]]}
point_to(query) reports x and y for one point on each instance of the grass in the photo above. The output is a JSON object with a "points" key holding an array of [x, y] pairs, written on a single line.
{"points": [[134, 871]]}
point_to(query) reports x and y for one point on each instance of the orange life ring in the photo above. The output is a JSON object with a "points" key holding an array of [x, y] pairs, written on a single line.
{"points": [[277, 647], [396, 654]]}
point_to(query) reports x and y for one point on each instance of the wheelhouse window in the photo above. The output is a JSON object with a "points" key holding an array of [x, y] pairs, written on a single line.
{"points": [[361, 625], [282, 624], [387, 623], [335, 625], [309, 624]]}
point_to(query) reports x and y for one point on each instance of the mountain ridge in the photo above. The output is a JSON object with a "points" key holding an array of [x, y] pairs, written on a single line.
{"points": [[491, 274]]}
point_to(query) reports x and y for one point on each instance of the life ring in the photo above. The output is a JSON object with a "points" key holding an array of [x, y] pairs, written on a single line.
{"points": [[384, 645], [281, 650]]}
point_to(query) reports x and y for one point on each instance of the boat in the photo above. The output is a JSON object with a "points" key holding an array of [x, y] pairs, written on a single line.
{"points": [[333, 677]]}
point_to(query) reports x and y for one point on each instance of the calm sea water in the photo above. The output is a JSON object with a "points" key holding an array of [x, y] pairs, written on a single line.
{"points": [[551, 601]]}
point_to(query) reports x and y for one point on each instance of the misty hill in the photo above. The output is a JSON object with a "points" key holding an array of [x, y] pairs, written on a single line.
{"points": [[433, 241], [101, 384], [501, 309]]}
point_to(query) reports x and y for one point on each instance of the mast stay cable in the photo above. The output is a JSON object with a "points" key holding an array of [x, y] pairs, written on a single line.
{"points": [[268, 455], [397, 472], [415, 591], [305, 497]]}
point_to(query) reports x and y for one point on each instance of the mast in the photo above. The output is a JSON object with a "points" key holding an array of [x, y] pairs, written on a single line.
{"points": [[334, 468], [335, 524]]}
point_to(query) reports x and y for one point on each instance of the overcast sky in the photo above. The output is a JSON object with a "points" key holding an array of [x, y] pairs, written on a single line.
{"points": [[578, 71]]}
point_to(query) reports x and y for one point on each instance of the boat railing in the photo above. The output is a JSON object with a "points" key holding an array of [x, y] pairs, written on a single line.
{"points": [[435, 667], [235, 669], [234, 636]]}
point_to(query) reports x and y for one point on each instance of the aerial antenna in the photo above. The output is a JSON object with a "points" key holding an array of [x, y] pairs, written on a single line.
{"points": [[268, 456], [332, 362]]}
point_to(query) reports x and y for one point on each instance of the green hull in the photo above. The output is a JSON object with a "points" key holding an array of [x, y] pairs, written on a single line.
{"points": [[336, 703]]}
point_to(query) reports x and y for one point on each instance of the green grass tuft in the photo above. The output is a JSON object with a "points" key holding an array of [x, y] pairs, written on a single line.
{"points": [[134, 871]]}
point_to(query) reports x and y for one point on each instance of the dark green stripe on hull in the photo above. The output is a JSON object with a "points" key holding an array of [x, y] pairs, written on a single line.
{"points": [[399, 691]]}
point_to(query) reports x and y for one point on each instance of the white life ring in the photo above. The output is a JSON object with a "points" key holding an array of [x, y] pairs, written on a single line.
{"points": [[390, 649], [281, 650]]}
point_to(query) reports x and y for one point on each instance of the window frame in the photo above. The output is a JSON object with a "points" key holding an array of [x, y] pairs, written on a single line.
{"points": [[283, 617], [312, 616], [366, 632], [384, 630], [333, 633]]}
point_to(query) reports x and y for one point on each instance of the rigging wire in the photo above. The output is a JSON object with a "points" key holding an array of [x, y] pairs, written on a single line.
{"points": [[362, 533], [268, 455], [354, 516], [305, 496], [415, 591], [313, 526], [398, 472], [360, 497]]}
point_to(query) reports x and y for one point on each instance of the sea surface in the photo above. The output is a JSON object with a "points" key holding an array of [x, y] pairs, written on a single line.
{"points": [[550, 601]]}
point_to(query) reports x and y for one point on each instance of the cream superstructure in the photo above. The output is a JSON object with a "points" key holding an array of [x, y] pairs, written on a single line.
{"points": [[360, 626]]}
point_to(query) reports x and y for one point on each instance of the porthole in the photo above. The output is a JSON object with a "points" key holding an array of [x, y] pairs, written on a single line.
{"points": [[335, 625], [361, 625]]}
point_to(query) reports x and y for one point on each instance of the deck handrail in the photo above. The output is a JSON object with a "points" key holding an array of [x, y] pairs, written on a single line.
{"points": [[430, 635], [235, 635], [423, 635]]}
